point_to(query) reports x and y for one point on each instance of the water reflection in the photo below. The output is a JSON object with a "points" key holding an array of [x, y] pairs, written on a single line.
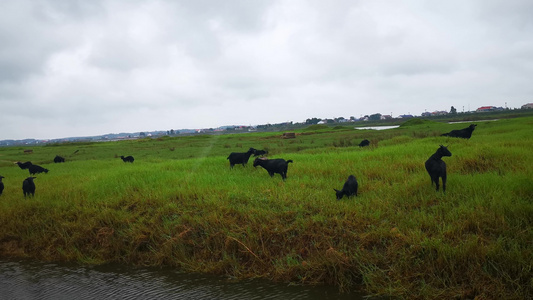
{"points": [[31, 280], [378, 127]]}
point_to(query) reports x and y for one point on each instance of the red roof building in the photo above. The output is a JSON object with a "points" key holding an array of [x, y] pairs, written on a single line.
{"points": [[486, 108]]}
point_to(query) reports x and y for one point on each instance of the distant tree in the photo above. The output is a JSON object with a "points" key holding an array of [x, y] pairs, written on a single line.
{"points": [[171, 131], [453, 111], [264, 126], [375, 117], [339, 119], [312, 121], [142, 134]]}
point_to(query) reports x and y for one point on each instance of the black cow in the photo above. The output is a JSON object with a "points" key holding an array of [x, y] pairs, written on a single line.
{"points": [[240, 158], [278, 165], [35, 169], [28, 187], [24, 165], [436, 167], [464, 133], [1, 185], [349, 189], [260, 153], [364, 143], [129, 159], [59, 159]]}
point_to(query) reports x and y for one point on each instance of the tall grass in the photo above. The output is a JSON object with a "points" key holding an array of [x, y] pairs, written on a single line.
{"points": [[186, 208]]}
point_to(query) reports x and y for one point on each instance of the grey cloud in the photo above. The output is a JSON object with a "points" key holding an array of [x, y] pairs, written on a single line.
{"points": [[91, 67], [239, 15], [513, 14], [29, 38]]}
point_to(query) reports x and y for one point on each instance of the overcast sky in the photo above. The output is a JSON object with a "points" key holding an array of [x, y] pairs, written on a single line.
{"points": [[81, 68]]}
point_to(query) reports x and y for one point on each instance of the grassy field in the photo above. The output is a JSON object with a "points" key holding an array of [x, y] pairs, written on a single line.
{"points": [[179, 204]]}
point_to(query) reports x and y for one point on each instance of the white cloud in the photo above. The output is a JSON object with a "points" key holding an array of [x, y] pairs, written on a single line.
{"points": [[79, 68]]}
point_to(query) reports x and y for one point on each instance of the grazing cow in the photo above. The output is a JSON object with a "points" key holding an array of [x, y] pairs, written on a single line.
{"points": [[35, 169], [464, 133], [436, 167], [28, 186], [240, 158], [59, 159], [278, 165], [349, 189], [1, 185], [24, 165], [129, 159], [364, 143]]}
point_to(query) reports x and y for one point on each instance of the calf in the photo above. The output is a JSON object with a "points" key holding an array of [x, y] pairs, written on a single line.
{"points": [[349, 189], [436, 167], [278, 165]]}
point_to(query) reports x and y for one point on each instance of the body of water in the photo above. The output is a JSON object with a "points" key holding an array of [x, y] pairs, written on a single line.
{"points": [[378, 127], [20, 279]]}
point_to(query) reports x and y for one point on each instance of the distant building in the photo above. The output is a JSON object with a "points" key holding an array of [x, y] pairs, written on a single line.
{"points": [[386, 117], [406, 116], [486, 108], [426, 114], [439, 113], [489, 108], [527, 106]]}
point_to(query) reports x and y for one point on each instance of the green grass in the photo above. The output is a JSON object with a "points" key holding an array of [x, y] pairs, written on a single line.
{"points": [[179, 204]]}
